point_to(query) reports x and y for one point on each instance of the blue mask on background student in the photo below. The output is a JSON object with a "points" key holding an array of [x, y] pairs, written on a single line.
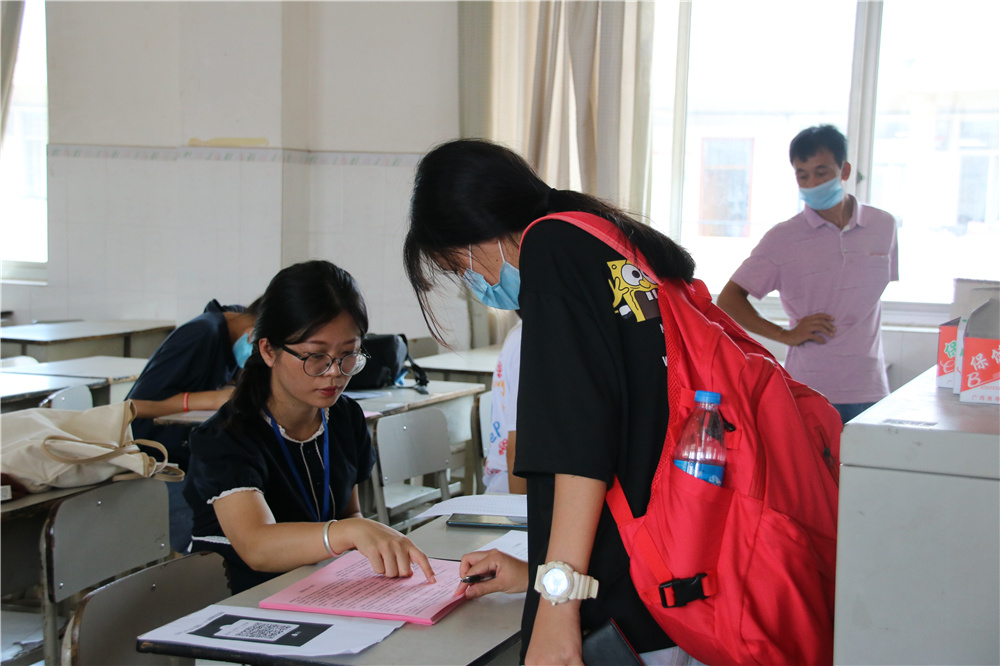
{"points": [[242, 349], [502, 295], [824, 196]]}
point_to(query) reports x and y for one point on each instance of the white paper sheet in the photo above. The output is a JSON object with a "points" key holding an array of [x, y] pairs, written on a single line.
{"points": [[489, 504], [273, 632], [514, 543]]}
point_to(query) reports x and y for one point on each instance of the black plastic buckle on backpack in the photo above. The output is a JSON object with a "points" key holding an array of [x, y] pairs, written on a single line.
{"points": [[683, 591]]}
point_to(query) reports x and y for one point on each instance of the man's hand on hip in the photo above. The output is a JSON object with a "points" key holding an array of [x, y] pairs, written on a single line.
{"points": [[811, 328]]}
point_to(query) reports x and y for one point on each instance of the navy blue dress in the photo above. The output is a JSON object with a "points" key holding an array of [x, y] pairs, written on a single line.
{"points": [[196, 356], [224, 461]]}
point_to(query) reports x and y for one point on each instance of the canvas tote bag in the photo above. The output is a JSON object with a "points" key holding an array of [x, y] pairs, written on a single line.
{"points": [[57, 448]]}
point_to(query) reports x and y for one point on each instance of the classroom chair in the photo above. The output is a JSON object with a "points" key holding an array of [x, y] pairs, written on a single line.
{"points": [[74, 398], [106, 623], [482, 426], [409, 445], [15, 361], [88, 539]]}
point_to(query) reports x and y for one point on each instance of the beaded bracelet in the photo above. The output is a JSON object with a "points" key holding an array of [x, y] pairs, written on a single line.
{"points": [[326, 537]]}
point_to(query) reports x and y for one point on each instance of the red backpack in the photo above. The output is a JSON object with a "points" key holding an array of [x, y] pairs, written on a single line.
{"points": [[743, 573]]}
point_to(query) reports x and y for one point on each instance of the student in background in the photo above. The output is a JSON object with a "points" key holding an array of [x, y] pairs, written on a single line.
{"points": [[273, 479], [830, 265], [592, 395], [192, 369], [498, 476]]}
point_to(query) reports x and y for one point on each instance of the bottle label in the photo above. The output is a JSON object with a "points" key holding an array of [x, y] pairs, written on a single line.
{"points": [[705, 472]]}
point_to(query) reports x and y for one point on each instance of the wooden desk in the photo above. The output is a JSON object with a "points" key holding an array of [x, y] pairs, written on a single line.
{"points": [[118, 372], [477, 632], [19, 391], [74, 339], [472, 365]]}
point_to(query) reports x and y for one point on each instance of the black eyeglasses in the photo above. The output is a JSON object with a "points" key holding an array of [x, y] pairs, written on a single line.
{"points": [[316, 365]]}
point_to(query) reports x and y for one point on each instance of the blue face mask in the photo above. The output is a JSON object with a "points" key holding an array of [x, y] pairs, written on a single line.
{"points": [[502, 295], [824, 196], [242, 349]]}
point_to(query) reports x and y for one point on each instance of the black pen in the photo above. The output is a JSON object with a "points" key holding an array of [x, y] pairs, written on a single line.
{"points": [[479, 578]]}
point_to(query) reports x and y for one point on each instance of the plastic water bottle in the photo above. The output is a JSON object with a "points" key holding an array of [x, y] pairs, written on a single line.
{"points": [[701, 450]]}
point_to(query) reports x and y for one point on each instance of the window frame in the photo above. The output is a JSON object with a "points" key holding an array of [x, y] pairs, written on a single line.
{"points": [[861, 143], [30, 272]]}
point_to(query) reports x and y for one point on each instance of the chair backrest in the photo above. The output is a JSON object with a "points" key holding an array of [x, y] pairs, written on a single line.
{"points": [[14, 361], [107, 621], [104, 532], [412, 444], [74, 397]]}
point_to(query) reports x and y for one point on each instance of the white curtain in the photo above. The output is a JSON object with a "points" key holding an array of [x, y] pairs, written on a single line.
{"points": [[10, 32], [569, 90]]}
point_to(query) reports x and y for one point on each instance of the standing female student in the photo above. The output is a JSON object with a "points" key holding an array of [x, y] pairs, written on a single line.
{"points": [[592, 400], [273, 475]]}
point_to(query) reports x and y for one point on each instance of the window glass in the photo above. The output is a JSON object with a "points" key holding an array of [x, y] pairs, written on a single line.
{"points": [[754, 82], [23, 174], [935, 155], [725, 187]]}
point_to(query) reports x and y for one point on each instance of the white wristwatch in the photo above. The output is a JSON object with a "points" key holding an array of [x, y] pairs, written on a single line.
{"points": [[558, 582]]}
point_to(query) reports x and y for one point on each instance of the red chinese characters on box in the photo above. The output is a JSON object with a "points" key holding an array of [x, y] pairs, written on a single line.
{"points": [[980, 355], [947, 352], [981, 371]]}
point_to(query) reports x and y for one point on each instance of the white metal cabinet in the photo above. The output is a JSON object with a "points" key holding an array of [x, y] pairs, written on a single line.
{"points": [[918, 555]]}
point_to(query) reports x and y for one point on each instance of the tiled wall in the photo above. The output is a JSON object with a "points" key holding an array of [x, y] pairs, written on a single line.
{"points": [[157, 233]]}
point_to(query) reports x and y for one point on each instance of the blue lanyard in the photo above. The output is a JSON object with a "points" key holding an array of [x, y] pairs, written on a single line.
{"points": [[295, 471]]}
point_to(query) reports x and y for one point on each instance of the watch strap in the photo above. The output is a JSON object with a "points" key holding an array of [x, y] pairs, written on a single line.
{"points": [[584, 587]]}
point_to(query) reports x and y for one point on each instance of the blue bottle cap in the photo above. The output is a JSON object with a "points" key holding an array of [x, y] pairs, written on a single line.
{"points": [[710, 397]]}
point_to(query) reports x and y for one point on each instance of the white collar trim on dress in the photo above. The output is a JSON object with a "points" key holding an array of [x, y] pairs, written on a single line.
{"points": [[319, 431]]}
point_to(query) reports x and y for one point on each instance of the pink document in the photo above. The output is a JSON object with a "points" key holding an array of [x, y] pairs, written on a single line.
{"points": [[348, 586]]}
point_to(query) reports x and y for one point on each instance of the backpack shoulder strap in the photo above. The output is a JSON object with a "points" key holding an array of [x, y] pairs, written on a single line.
{"points": [[603, 229]]}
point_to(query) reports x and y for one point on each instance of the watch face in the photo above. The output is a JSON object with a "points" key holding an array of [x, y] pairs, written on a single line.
{"points": [[556, 582]]}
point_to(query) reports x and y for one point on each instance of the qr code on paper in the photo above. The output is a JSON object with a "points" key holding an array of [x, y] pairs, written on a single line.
{"points": [[241, 628], [260, 630]]}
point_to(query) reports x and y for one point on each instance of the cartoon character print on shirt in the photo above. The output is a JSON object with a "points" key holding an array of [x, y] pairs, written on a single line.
{"points": [[634, 294]]}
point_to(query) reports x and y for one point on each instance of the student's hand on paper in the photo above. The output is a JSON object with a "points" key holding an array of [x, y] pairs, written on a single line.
{"points": [[811, 328], [511, 573], [556, 637], [389, 552]]}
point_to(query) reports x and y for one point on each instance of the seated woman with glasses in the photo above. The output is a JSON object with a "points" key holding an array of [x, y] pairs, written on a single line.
{"points": [[273, 478]]}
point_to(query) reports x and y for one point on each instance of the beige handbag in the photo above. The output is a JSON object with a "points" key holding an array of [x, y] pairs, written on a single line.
{"points": [[56, 448]]}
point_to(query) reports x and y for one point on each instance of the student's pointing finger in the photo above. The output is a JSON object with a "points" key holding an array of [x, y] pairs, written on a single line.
{"points": [[425, 564]]}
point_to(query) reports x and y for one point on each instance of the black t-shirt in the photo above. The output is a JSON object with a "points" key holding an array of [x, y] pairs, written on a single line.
{"points": [[196, 356], [222, 462], [592, 402]]}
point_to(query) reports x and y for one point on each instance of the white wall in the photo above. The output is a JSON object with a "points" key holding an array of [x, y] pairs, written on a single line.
{"points": [[324, 108], [314, 116]]}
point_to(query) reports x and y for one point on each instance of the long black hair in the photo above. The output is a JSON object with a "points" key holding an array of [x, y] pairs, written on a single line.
{"points": [[299, 300], [470, 191]]}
